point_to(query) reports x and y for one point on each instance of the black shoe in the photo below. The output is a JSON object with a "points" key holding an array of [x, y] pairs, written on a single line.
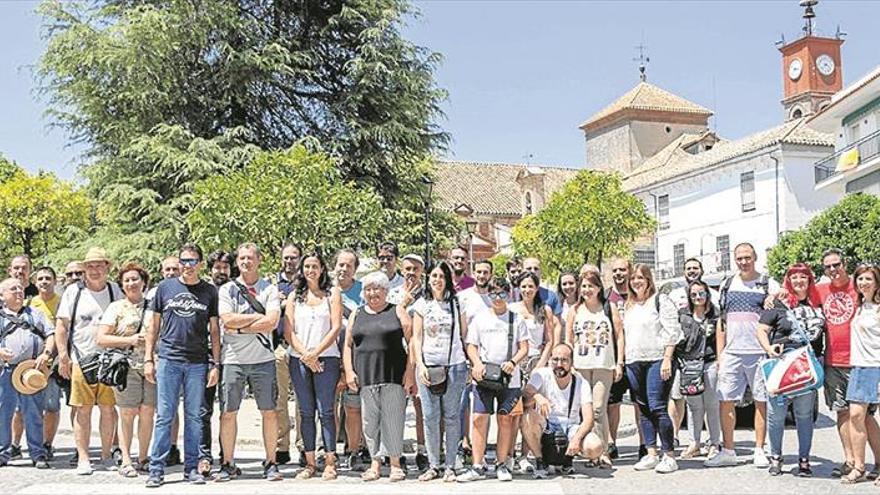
{"points": [[14, 452], [227, 472], [643, 451], [282, 456], [612, 451], [50, 451], [173, 458], [421, 461], [302, 459], [775, 468], [116, 455], [804, 470], [271, 472], [74, 461], [365, 456]]}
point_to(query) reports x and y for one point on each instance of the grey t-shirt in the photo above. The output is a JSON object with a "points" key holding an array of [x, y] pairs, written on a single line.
{"points": [[247, 348]]}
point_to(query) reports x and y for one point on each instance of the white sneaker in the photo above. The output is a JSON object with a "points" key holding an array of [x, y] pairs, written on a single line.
{"points": [[724, 458], [502, 473], [84, 468], [647, 463], [510, 463], [760, 459], [525, 466], [666, 465]]}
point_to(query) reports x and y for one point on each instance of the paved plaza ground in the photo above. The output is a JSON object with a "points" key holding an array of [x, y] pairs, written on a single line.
{"points": [[692, 477]]}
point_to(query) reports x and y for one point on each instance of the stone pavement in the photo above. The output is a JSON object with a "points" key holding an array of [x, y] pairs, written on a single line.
{"points": [[692, 477]]}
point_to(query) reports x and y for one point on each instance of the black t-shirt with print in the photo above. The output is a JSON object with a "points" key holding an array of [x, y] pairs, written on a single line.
{"points": [[800, 320]]}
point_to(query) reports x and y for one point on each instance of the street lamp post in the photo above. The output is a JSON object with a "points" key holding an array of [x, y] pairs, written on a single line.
{"points": [[429, 186]]}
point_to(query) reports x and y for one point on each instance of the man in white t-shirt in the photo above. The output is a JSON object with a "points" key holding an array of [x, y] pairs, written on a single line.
{"points": [[476, 299], [248, 357], [494, 338], [75, 340], [743, 297], [557, 400]]}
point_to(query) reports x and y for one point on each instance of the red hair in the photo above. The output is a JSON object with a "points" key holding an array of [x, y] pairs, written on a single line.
{"points": [[812, 293]]}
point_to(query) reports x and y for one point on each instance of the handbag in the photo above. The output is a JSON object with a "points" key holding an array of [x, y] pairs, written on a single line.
{"points": [[437, 374], [495, 378], [795, 372], [691, 372], [91, 363], [554, 441]]}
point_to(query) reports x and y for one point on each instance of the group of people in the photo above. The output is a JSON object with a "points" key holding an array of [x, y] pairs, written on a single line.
{"points": [[461, 343]]}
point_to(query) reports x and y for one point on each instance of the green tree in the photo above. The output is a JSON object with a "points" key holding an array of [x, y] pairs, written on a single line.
{"points": [[296, 195], [852, 225], [588, 219], [38, 213], [8, 168]]}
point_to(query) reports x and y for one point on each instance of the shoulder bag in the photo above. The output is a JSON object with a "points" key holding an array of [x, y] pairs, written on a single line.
{"points": [[495, 378], [437, 374]]}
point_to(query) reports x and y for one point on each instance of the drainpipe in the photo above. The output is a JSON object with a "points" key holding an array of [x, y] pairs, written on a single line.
{"points": [[776, 183], [656, 233]]}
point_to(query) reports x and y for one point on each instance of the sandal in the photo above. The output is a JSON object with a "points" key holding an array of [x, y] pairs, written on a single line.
{"points": [[604, 462], [856, 475], [430, 474], [370, 475], [128, 471], [842, 470], [143, 466], [397, 474], [329, 473], [308, 472], [449, 476]]}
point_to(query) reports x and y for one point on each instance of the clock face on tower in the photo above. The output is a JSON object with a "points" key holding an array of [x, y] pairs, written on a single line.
{"points": [[794, 69], [825, 64]]}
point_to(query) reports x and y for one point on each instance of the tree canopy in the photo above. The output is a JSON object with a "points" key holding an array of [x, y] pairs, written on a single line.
{"points": [[166, 93], [588, 219], [852, 225]]}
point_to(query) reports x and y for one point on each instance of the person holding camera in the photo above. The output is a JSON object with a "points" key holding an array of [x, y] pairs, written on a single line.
{"points": [[496, 344], [122, 327], [558, 418], [441, 366]]}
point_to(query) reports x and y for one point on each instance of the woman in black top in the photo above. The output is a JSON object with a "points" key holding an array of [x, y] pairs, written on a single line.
{"points": [[376, 365], [698, 325], [793, 323]]}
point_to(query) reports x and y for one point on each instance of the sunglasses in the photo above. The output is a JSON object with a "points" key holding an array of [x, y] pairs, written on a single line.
{"points": [[832, 266], [498, 295], [189, 262], [700, 293], [74, 274], [385, 258]]}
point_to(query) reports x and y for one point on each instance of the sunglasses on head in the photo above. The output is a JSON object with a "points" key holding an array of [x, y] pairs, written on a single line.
{"points": [[189, 262]]}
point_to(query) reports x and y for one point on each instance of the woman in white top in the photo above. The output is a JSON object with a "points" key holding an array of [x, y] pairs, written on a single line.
{"points": [[122, 327], [864, 378], [651, 331], [537, 318], [313, 319], [439, 329], [593, 336]]}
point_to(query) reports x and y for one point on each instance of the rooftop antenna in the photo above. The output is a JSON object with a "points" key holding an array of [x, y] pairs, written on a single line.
{"points": [[840, 34], [643, 60], [781, 41], [808, 15]]}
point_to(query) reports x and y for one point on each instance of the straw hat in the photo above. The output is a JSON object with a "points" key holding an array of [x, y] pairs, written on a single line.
{"points": [[96, 254], [29, 380]]}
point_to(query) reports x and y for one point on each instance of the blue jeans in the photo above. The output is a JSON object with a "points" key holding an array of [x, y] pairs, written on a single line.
{"points": [[803, 418], [316, 392], [651, 393], [32, 411], [448, 405], [171, 377]]}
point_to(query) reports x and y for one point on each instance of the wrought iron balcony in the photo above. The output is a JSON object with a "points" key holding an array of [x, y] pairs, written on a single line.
{"points": [[868, 147]]}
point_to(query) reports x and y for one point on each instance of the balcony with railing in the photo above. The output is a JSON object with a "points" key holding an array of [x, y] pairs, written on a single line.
{"points": [[865, 148]]}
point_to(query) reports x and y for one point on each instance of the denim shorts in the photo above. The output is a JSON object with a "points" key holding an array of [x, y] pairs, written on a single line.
{"points": [[485, 399], [863, 383], [260, 377]]}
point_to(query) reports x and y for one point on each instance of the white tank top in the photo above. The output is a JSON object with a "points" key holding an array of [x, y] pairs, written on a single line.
{"points": [[311, 324]]}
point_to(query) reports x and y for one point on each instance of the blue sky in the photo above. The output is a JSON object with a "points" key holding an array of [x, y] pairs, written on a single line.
{"points": [[522, 75]]}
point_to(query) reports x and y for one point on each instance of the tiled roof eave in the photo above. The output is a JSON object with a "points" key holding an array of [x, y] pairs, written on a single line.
{"points": [[647, 113]]}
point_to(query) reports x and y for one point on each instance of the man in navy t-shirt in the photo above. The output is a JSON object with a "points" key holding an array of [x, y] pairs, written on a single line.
{"points": [[184, 309]]}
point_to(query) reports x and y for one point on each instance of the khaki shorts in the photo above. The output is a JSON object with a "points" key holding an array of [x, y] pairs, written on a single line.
{"points": [[83, 394], [138, 391]]}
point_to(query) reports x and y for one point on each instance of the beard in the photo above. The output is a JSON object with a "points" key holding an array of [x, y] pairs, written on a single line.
{"points": [[561, 372], [458, 272], [482, 285], [219, 279]]}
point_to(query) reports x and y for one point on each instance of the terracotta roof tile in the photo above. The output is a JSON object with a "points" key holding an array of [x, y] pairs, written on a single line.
{"points": [[647, 97]]}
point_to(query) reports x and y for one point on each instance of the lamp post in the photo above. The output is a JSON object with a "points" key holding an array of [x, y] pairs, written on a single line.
{"points": [[471, 228], [429, 186]]}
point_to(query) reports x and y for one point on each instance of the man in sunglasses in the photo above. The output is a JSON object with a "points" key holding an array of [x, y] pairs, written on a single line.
{"points": [[495, 338], [386, 255], [73, 273], [184, 311], [839, 304]]}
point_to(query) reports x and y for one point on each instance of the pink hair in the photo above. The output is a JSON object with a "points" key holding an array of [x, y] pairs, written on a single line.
{"points": [[812, 293]]}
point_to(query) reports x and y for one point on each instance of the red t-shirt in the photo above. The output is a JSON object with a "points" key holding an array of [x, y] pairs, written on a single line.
{"points": [[839, 305]]}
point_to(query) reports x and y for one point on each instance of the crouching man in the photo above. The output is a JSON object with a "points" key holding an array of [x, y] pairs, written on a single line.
{"points": [[558, 419]]}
